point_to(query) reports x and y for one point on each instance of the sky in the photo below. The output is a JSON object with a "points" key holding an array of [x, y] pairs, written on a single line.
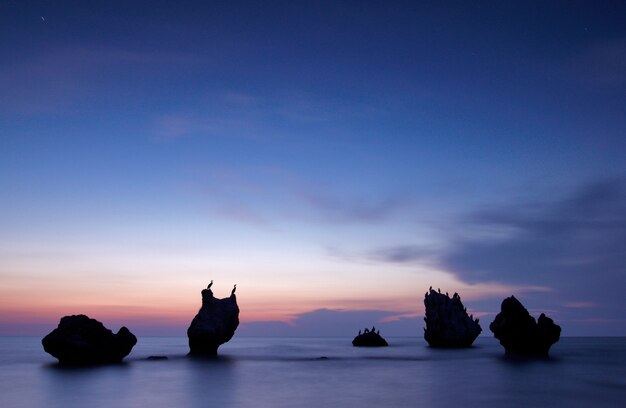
{"points": [[333, 159]]}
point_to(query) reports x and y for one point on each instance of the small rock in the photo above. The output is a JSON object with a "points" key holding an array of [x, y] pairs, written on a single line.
{"points": [[156, 358], [369, 339]]}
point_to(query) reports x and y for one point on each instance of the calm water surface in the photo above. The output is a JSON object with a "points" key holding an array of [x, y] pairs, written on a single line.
{"points": [[320, 372]]}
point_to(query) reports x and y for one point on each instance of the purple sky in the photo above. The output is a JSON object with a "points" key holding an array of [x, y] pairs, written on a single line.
{"points": [[334, 159]]}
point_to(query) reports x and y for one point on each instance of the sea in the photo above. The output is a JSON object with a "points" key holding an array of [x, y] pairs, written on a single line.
{"points": [[320, 372]]}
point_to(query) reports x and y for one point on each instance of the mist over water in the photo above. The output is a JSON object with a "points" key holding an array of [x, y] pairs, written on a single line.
{"points": [[312, 372]]}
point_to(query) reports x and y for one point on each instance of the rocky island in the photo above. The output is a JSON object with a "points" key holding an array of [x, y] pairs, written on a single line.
{"points": [[520, 334], [214, 325], [80, 340], [447, 323], [369, 338]]}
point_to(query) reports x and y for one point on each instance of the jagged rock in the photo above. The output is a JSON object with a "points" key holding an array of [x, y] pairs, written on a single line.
{"points": [[369, 339], [214, 324], [79, 340], [447, 322], [518, 332]]}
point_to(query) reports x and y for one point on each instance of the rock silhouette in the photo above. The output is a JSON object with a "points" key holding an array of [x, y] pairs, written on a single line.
{"points": [[79, 340], [369, 339], [518, 332], [214, 324], [447, 322]]}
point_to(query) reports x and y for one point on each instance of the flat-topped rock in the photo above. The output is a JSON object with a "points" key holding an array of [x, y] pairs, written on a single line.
{"points": [[520, 334], [214, 325], [447, 323], [80, 340]]}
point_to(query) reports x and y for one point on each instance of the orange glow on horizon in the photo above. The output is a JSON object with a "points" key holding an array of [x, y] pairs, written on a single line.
{"points": [[169, 300]]}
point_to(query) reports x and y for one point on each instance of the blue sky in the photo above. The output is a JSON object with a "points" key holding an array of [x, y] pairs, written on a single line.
{"points": [[334, 159]]}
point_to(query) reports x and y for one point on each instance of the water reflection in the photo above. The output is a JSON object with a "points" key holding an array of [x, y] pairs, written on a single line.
{"points": [[142, 383], [82, 386], [290, 373], [208, 382]]}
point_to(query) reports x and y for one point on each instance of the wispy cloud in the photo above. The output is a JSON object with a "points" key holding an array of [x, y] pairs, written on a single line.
{"points": [[580, 305], [402, 254], [66, 79], [262, 116], [408, 255], [278, 193], [170, 127], [335, 208], [243, 215]]}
